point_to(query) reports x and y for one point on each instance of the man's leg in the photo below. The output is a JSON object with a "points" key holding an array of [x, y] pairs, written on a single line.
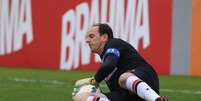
{"points": [[134, 84]]}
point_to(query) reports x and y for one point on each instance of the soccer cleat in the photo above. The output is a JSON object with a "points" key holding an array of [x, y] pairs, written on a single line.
{"points": [[162, 98]]}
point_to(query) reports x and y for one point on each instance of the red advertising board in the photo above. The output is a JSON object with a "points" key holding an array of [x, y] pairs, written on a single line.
{"points": [[50, 33]]}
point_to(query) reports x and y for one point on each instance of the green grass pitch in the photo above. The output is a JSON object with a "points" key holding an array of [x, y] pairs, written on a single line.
{"points": [[49, 85]]}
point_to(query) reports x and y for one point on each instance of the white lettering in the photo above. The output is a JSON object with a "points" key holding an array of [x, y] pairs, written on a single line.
{"points": [[104, 7], [112, 12], [1, 30], [15, 25], [94, 16], [67, 43], [142, 25], [73, 39], [119, 21], [8, 25], [25, 25], [82, 11], [129, 20]]}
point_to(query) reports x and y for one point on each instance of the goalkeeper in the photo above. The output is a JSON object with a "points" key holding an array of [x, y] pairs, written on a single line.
{"points": [[128, 76]]}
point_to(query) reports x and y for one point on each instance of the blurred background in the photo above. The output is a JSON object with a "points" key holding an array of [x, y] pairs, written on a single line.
{"points": [[43, 51]]}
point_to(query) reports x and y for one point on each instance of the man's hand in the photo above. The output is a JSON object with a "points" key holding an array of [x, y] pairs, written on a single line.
{"points": [[85, 81], [94, 82], [162, 98]]}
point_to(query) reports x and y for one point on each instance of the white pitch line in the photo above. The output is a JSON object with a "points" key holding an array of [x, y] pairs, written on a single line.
{"points": [[182, 91], [57, 82]]}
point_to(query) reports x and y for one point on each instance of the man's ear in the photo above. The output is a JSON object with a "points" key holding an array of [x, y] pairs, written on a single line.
{"points": [[105, 37]]}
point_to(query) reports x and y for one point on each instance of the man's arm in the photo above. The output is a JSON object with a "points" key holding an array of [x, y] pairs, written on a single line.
{"points": [[110, 62], [105, 69]]}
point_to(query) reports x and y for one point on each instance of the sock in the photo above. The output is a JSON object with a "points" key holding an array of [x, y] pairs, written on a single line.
{"points": [[143, 90], [94, 98], [131, 82]]}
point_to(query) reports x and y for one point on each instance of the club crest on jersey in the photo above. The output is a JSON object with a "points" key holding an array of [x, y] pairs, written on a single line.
{"points": [[113, 51]]}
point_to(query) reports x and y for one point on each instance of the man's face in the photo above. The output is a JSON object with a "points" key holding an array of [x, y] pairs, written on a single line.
{"points": [[95, 40]]}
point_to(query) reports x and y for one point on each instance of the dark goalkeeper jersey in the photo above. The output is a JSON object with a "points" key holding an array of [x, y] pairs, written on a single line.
{"points": [[118, 57]]}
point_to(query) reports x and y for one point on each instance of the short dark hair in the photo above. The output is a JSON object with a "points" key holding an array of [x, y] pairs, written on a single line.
{"points": [[105, 29]]}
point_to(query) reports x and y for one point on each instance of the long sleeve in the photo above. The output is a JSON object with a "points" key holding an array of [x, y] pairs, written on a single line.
{"points": [[110, 62]]}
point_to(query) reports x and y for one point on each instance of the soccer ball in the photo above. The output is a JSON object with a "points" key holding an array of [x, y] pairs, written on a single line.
{"points": [[87, 88]]}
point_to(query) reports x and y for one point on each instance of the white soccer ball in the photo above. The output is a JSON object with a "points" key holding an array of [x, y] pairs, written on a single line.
{"points": [[88, 88]]}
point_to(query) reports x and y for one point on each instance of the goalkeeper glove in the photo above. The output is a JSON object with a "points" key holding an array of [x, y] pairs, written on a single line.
{"points": [[85, 81], [94, 82]]}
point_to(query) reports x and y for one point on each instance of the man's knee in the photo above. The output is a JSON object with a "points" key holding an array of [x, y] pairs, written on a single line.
{"points": [[123, 78]]}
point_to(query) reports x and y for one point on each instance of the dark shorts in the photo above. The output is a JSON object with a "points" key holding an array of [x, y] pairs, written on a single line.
{"points": [[146, 74]]}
